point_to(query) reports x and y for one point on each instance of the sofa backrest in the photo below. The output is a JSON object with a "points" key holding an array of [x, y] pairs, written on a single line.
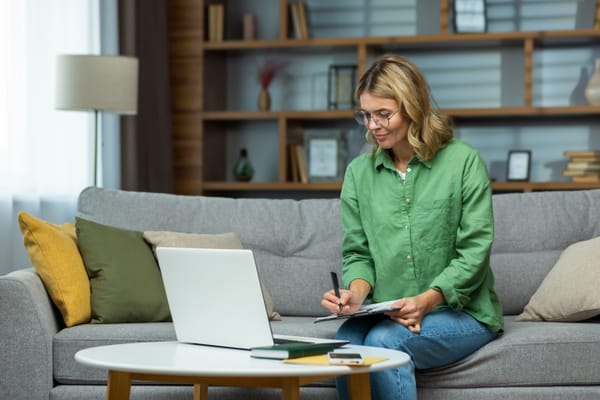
{"points": [[297, 242], [531, 231]]}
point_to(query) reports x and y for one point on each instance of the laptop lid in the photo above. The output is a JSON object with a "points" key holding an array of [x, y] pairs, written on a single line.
{"points": [[215, 297]]}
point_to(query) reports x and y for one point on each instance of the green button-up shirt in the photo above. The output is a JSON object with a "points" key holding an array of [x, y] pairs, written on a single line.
{"points": [[433, 230]]}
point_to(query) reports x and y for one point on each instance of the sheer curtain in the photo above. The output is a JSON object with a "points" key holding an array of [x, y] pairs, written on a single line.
{"points": [[46, 155]]}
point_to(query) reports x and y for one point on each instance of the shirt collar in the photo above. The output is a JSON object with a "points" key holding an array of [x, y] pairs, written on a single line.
{"points": [[383, 159]]}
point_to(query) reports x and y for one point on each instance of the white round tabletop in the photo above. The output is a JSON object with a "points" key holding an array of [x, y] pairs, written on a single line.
{"points": [[173, 358]]}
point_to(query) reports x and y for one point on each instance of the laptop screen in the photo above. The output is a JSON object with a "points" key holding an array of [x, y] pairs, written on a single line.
{"points": [[215, 297]]}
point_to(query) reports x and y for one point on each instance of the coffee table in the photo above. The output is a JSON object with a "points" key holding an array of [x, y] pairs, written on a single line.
{"points": [[204, 366]]}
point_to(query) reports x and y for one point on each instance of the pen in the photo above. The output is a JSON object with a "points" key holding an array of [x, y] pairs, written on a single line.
{"points": [[336, 287]]}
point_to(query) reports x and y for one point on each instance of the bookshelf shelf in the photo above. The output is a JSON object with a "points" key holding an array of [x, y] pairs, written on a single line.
{"points": [[497, 187], [540, 186], [272, 186]]}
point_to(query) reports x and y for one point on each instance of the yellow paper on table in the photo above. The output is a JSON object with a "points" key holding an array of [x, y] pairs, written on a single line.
{"points": [[322, 360]]}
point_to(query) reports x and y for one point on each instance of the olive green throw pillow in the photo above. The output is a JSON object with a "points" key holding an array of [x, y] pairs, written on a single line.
{"points": [[126, 285]]}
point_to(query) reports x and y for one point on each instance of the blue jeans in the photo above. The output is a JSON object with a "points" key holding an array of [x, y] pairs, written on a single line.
{"points": [[446, 336]]}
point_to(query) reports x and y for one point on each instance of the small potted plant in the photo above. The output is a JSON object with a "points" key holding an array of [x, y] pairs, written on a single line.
{"points": [[266, 73]]}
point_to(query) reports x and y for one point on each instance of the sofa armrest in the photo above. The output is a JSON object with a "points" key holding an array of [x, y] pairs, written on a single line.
{"points": [[28, 323]]}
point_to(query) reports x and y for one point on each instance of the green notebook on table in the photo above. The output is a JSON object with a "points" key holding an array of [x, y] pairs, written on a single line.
{"points": [[291, 350]]}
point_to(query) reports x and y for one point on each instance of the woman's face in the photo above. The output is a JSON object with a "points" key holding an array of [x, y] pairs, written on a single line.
{"points": [[390, 129]]}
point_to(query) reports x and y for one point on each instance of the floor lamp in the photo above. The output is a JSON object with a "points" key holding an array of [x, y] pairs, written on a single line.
{"points": [[97, 83]]}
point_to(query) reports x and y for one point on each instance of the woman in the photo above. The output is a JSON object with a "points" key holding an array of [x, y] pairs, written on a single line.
{"points": [[418, 227]]}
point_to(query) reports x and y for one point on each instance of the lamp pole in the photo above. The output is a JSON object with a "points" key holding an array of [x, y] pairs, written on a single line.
{"points": [[96, 148]]}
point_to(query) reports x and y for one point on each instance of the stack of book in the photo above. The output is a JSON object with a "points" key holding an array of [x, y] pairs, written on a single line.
{"points": [[583, 166]]}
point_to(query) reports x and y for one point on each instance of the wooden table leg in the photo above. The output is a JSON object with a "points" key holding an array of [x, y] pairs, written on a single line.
{"points": [[359, 387], [200, 391], [290, 389], [119, 385]]}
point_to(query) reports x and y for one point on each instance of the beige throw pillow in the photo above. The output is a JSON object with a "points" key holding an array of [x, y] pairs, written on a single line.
{"points": [[209, 241], [570, 290]]}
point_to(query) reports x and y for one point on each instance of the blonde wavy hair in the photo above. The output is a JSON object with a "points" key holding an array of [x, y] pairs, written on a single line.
{"points": [[395, 77]]}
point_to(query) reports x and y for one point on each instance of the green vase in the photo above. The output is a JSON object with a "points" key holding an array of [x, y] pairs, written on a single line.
{"points": [[243, 170]]}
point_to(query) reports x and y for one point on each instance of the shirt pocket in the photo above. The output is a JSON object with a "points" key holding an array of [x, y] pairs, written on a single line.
{"points": [[435, 224]]}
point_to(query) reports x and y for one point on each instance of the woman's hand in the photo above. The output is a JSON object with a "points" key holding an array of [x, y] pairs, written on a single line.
{"points": [[349, 300], [413, 309]]}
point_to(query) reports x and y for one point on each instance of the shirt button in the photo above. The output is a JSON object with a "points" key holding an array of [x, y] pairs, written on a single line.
{"points": [[408, 170], [408, 257], [406, 227], [408, 199]]}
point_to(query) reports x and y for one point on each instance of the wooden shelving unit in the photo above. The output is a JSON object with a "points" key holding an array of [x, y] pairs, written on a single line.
{"points": [[198, 93]]}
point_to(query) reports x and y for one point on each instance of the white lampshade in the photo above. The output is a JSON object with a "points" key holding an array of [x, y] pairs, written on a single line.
{"points": [[94, 82]]}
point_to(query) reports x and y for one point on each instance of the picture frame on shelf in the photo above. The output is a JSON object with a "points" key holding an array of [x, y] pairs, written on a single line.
{"points": [[325, 155], [341, 82], [469, 16], [518, 165]]}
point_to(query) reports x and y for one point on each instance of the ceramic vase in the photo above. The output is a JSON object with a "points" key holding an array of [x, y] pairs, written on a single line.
{"points": [[264, 100], [592, 89], [243, 171]]}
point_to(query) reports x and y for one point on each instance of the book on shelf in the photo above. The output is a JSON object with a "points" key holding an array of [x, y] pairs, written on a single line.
{"points": [[579, 172], [296, 31], [291, 350], [216, 14], [303, 21], [299, 24], [587, 178], [591, 155], [302, 166], [293, 163], [584, 166]]}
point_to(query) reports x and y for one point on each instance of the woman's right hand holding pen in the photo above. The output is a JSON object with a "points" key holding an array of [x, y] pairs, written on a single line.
{"points": [[349, 300]]}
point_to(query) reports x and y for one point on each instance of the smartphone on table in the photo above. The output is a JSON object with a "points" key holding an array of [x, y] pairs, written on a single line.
{"points": [[345, 358]]}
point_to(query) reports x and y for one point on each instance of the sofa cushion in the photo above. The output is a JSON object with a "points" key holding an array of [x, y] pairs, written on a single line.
{"points": [[528, 354], [211, 241], [55, 256], [124, 277], [570, 290], [67, 342]]}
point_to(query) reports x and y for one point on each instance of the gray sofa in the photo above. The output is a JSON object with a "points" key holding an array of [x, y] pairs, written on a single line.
{"points": [[296, 244]]}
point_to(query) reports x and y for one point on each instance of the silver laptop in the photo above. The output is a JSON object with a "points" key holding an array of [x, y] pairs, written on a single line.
{"points": [[216, 299]]}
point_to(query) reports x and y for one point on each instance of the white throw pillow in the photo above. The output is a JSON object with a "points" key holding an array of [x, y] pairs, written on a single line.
{"points": [[227, 240], [570, 290]]}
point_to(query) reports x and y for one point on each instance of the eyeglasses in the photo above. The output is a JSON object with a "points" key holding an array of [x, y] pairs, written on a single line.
{"points": [[381, 118]]}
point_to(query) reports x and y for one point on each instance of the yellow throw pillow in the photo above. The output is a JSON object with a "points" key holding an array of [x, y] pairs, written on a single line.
{"points": [[55, 256]]}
